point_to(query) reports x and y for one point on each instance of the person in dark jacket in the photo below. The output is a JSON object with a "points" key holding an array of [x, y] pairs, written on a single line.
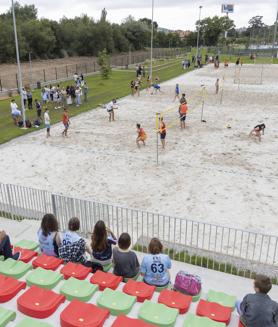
{"points": [[258, 310]]}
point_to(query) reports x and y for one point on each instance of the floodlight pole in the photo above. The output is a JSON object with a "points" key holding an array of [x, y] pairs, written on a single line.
{"points": [[18, 67], [30, 69], [275, 32], [198, 35], [151, 70]]}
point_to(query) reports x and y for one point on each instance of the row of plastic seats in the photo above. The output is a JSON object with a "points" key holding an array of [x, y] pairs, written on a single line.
{"points": [[41, 303]]}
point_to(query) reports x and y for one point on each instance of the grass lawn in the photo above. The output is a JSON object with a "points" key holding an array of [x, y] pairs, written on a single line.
{"points": [[100, 91]]}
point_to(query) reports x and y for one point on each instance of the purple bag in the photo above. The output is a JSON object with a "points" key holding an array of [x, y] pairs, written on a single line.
{"points": [[187, 283]]}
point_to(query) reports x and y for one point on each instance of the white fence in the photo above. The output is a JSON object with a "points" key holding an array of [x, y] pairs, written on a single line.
{"points": [[213, 246]]}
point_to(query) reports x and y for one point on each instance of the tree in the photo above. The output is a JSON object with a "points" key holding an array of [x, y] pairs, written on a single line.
{"points": [[212, 28], [104, 63]]}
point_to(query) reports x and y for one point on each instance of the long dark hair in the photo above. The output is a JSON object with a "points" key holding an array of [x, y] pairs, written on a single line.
{"points": [[99, 236], [49, 224]]}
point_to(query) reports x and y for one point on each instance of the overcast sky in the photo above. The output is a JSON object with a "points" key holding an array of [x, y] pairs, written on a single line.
{"points": [[179, 14]]}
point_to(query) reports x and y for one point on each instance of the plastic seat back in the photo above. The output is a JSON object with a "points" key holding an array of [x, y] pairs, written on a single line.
{"points": [[141, 290], [75, 270], [38, 302], [47, 262], [105, 280], [124, 321], [173, 299], [214, 311], [9, 287]]}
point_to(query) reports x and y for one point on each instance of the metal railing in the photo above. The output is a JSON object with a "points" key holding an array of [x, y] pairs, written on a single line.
{"points": [[223, 248], [65, 72]]}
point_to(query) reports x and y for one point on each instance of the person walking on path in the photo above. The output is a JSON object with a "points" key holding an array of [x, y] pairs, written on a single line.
{"points": [[47, 122], [66, 122]]}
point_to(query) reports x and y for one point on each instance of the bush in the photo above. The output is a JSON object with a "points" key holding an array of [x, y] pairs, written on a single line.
{"points": [[104, 63]]}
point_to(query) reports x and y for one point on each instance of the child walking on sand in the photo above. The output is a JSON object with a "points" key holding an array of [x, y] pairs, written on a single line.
{"points": [[177, 92], [141, 135], [66, 122]]}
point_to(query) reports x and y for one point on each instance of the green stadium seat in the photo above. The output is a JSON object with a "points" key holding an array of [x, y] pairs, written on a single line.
{"points": [[196, 298], [81, 290], [6, 316], [222, 298], [116, 302], [194, 321], [44, 278], [162, 288], [158, 314], [107, 267], [27, 244], [29, 322], [1, 258], [13, 268]]}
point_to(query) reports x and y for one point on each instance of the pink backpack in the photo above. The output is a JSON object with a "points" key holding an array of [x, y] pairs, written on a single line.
{"points": [[187, 283]]}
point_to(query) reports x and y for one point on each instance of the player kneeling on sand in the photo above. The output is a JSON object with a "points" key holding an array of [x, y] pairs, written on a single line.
{"points": [[258, 131], [110, 109], [182, 112], [142, 136]]}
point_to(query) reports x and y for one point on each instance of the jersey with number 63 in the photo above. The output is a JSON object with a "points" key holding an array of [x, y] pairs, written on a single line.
{"points": [[155, 269]]}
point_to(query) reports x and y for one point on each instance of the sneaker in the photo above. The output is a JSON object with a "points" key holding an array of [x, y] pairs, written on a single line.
{"points": [[17, 256]]}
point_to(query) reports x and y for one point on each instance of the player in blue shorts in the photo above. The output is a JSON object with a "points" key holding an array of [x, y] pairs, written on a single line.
{"points": [[177, 92]]}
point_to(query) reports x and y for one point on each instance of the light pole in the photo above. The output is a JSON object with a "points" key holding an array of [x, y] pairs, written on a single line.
{"points": [[275, 32], [30, 69], [151, 70], [18, 67], [198, 35]]}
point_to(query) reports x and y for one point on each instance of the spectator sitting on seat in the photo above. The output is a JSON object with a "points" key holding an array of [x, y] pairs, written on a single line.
{"points": [[155, 265], [49, 236], [102, 240], [74, 247], [5, 247], [258, 310], [125, 261]]}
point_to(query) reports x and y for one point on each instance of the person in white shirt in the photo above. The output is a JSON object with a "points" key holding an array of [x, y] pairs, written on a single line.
{"points": [[110, 109], [16, 114], [47, 122], [24, 95]]}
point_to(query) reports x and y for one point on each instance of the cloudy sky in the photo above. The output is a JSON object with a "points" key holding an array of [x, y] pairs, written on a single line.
{"points": [[179, 14]]}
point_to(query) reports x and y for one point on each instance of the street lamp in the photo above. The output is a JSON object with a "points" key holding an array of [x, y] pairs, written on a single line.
{"points": [[151, 68], [198, 36], [18, 67]]}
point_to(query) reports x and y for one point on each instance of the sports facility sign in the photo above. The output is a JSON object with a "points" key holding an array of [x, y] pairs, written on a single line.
{"points": [[227, 8]]}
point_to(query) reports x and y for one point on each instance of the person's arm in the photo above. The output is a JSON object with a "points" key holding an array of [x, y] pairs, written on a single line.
{"points": [[243, 304], [143, 268], [2, 235], [58, 239], [275, 314], [111, 233]]}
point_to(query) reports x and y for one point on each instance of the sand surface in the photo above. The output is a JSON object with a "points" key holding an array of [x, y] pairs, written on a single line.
{"points": [[207, 171]]}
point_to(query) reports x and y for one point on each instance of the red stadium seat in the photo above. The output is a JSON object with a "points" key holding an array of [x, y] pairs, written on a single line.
{"points": [[106, 279], [141, 290], [26, 255], [38, 302], [175, 300], [124, 321], [240, 324], [78, 314], [9, 287], [75, 270], [214, 311], [47, 262]]}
